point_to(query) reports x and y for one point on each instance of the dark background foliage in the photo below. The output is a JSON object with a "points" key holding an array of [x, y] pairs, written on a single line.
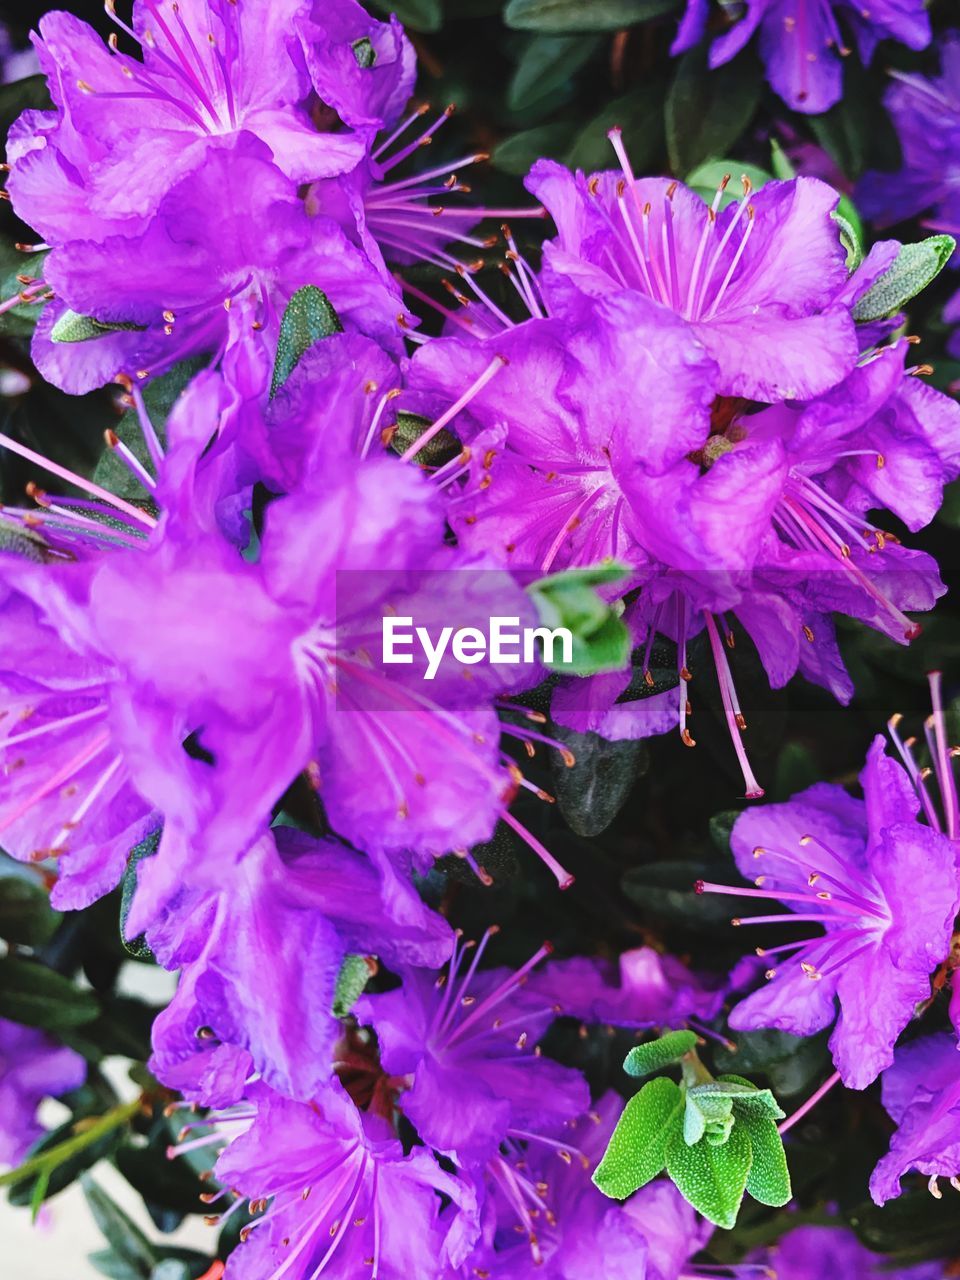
{"points": [[637, 824]]}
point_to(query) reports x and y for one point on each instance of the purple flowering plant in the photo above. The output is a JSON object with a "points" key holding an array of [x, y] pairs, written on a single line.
{"points": [[475, 481]]}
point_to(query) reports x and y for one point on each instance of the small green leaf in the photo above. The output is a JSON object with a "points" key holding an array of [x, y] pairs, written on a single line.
{"points": [[915, 267], [670, 1048], [708, 1113], [119, 1230], [20, 321], [440, 448], [137, 947], [712, 1178], [637, 1150], [308, 317], [73, 327], [36, 996], [600, 639], [769, 1177], [355, 973]]}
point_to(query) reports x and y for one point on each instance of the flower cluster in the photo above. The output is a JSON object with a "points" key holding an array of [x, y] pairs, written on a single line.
{"points": [[681, 427]]}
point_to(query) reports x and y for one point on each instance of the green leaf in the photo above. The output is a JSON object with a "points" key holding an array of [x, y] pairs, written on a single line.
{"points": [[418, 15], [769, 1177], [355, 973], [547, 64], [440, 448], [712, 1178], [707, 1115], [559, 16], [708, 110], [706, 178], [26, 917], [851, 237], [119, 1230], [365, 53], [592, 791], [600, 639], [137, 947], [308, 317], [71, 326], [915, 267], [637, 1150], [36, 996], [162, 1183], [19, 321], [653, 1056]]}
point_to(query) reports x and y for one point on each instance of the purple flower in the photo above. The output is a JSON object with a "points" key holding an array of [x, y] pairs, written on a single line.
{"points": [[186, 285], [468, 1044], [884, 889], [549, 1222], [802, 44], [720, 509], [926, 114], [645, 989], [335, 1194], [168, 266], [32, 1068], [281, 926], [757, 282], [68, 790], [808, 1253], [279, 677], [921, 1092]]}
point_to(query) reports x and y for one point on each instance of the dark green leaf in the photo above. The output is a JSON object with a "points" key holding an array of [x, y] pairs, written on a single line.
{"points": [[637, 1150], [638, 113], [915, 267], [110, 1264], [591, 792], [547, 64], [517, 153], [712, 1178], [656, 1054], [769, 1177], [119, 1230], [167, 1184], [558, 16], [36, 996], [790, 1063], [308, 317], [26, 917], [707, 111], [20, 321], [440, 448], [419, 15]]}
